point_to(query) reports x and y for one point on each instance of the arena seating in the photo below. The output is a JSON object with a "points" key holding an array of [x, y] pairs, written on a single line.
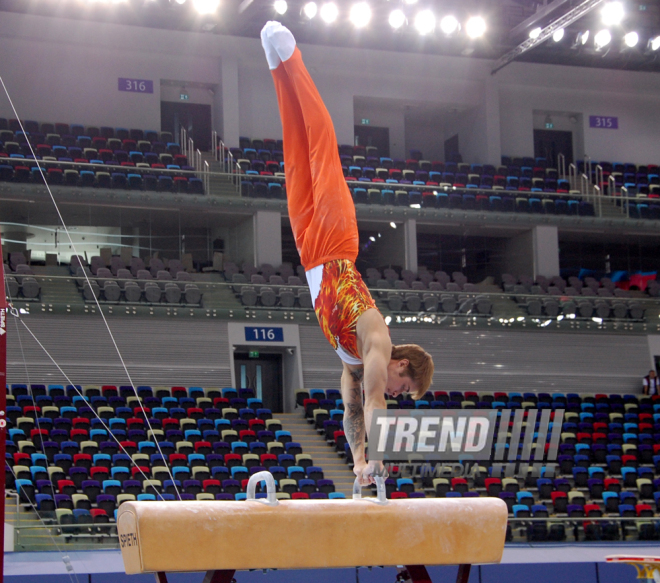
{"points": [[266, 287], [608, 463], [115, 283], [642, 183], [19, 279], [439, 184], [61, 458], [439, 292], [427, 291], [585, 298], [104, 157]]}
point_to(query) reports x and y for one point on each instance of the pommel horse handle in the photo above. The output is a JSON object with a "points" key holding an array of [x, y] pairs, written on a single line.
{"points": [[271, 497], [380, 488]]}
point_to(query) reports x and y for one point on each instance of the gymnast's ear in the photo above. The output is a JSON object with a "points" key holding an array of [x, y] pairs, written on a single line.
{"points": [[402, 365]]}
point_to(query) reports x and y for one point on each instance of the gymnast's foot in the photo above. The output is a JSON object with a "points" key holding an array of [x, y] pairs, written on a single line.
{"points": [[271, 54], [281, 39]]}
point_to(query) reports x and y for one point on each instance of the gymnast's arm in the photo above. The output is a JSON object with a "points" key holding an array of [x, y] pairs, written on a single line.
{"points": [[376, 349], [351, 393]]}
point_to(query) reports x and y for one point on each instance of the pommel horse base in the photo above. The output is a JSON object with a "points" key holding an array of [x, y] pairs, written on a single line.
{"points": [[264, 533]]}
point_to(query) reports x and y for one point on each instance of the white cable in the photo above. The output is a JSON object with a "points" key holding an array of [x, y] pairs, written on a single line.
{"points": [[75, 251], [71, 573], [34, 402], [15, 314]]}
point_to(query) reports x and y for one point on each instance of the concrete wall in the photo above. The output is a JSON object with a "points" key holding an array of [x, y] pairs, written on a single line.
{"points": [[632, 97]]}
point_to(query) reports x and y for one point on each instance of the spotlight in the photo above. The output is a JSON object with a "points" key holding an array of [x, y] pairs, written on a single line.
{"points": [[535, 32], [654, 43], [582, 38], [602, 38], [558, 35], [310, 9], [393, 225], [206, 6], [425, 22], [449, 25], [397, 19], [329, 12], [475, 27], [360, 14], [612, 13], [631, 39], [280, 6]]}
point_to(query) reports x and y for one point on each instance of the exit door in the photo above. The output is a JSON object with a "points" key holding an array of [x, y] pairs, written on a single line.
{"points": [[549, 143], [195, 118], [374, 136], [263, 375]]}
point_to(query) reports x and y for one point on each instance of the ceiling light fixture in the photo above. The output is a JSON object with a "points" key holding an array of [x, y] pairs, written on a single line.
{"points": [[602, 38], [475, 27], [360, 14], [558, 35], [612, 13], [310, 9], [280, 6], [631, 39], [329, 12], [425, 22], [449, 24], [535, 32], [397, 19], [206, 6]]}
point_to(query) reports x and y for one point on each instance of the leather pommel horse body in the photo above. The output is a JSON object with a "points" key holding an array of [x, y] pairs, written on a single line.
{"points": [[264, 533]]}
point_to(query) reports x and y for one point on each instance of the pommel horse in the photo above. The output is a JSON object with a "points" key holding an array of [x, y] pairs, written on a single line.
{"points": [[264, 533]]}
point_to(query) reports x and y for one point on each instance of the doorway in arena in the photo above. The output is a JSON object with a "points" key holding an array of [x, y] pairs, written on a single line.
{"points": [[195, 118], [261, 372], [549, 144], [366, 135]]}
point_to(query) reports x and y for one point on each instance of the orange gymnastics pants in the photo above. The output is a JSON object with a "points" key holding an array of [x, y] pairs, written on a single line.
{"points": [[321, 209]]}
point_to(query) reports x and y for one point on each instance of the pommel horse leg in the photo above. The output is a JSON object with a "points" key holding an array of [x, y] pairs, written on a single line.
{"points": [[222, 576], [419, 574]]}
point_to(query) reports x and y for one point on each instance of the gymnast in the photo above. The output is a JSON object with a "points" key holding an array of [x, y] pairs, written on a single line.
{"points": [[324, 226]]}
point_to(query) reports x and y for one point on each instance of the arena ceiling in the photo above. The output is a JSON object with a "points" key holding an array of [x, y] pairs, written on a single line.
{"points": [[508, 25]]}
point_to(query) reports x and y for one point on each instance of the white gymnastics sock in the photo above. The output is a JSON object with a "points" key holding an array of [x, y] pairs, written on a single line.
{"points": [[271, 54], [281, 39]]}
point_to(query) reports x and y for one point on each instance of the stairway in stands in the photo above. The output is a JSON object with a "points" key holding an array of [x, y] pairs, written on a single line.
{"points": [[611, 210], [334, 467], [30, 529], [218, 185], [59, 289]]}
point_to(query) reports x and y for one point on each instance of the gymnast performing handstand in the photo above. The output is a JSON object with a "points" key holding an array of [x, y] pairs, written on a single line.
{"points": [[324, 226]]}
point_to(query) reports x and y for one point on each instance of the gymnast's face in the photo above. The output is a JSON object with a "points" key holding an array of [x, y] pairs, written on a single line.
{"points": [[398, 382]]}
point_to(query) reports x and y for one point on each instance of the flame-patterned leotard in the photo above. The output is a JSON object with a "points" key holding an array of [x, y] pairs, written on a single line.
{"points": [[340, 299]]}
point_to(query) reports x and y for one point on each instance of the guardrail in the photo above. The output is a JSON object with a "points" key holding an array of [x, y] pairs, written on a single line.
{"points": [[225, 158], [563, 311]]}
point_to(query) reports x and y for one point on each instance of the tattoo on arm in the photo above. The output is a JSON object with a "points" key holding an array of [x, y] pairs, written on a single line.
{"points": [[357, 375], [354, 413], [354, 425]]}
